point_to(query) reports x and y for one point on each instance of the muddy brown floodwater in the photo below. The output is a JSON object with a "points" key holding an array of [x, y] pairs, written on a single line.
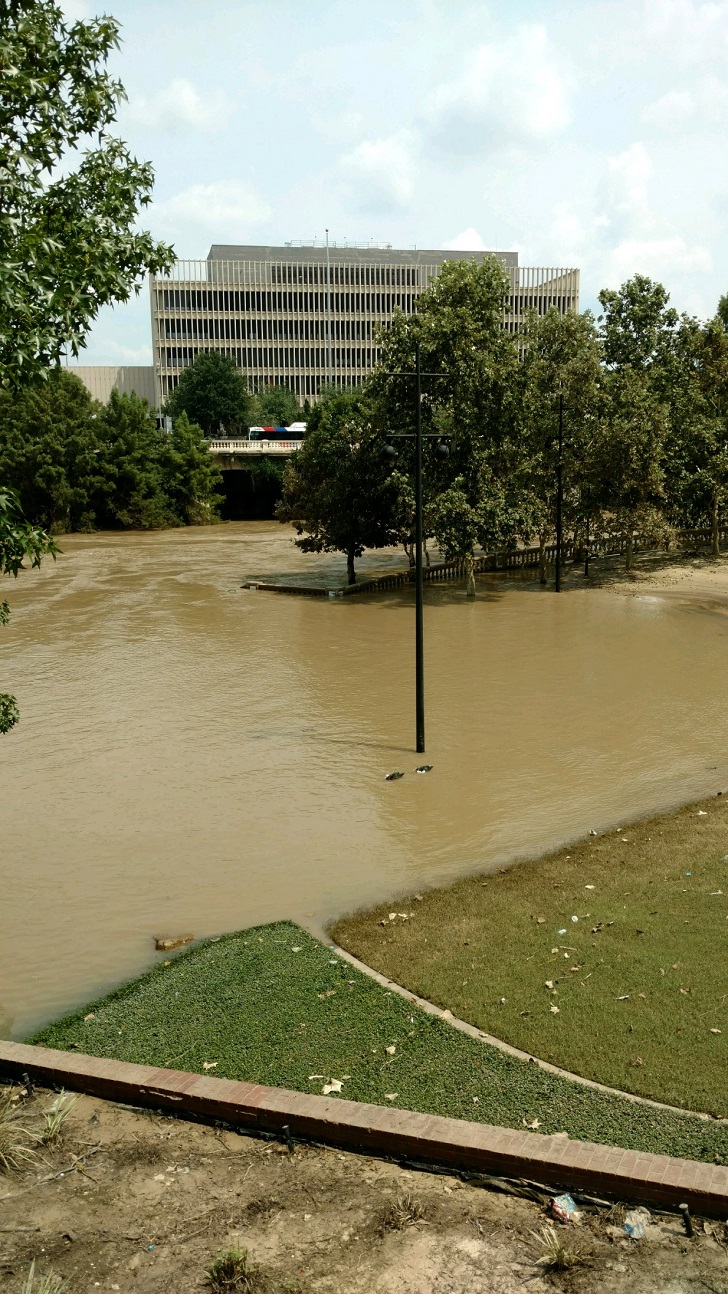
{"points": [[195, 757]]}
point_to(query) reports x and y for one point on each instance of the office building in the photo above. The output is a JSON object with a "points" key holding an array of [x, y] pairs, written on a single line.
{"points": [[299, 314]]}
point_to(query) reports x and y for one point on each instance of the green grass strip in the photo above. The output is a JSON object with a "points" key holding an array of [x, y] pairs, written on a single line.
{"points": [[273, 1005], [639, 979]]}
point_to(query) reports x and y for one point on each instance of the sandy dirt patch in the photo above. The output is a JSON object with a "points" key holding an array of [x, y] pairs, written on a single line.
{"points": [[136, 1201]]}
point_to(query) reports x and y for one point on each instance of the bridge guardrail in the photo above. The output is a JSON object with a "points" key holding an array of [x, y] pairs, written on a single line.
{"points": [[282, 447]]}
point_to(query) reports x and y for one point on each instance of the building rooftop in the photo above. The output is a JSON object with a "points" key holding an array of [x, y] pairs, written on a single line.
{"points": [[299, 253]]}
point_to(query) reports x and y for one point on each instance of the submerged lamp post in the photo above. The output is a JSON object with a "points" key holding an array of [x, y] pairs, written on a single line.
{"points": [[442, 449], [559, 493]]}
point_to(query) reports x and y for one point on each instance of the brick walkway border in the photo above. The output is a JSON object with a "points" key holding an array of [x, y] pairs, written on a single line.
{"points": [[555, 1161]]}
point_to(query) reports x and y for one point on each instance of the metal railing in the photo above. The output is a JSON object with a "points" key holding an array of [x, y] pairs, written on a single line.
{"points": [[281, 447]]}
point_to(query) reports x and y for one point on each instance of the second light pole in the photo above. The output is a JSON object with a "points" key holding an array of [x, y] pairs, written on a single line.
{"points": [[559, 494], [442, 449]]}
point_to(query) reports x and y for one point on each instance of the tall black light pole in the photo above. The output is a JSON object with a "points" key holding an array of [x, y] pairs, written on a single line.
{"points": [[419, 574], [559, 494]]}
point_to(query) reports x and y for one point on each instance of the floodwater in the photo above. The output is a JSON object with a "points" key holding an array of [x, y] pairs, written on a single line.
{"points": [[193, 757]]}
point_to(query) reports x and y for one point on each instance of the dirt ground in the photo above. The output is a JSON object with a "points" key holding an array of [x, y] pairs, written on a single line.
{"points": [[141, 1202]]}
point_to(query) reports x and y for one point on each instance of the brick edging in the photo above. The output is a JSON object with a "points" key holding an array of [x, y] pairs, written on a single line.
{"points": [[353, 1125]]}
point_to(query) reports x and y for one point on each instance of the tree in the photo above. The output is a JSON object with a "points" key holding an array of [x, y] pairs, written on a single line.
{"points": [[561, 364], [638, 327], [722, 311], [51, 454], [191, 479], [19, 542], [336, 489], [696, 453], [68, 243], [78, 465], [275, 406], [213, 393], [627, 459], [475, 497]]}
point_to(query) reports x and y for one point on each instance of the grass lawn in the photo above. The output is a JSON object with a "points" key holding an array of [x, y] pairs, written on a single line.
{"points": [[609, 958], [275, 1006]]}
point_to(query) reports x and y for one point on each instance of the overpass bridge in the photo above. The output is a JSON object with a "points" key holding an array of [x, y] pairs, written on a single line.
{"points": [[235, 455]]}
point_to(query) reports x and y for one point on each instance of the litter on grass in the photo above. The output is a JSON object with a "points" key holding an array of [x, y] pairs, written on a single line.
{"points": [[333, 1085]]}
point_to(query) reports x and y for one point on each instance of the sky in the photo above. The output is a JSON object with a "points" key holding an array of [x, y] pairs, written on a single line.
{"points": [[585, 133]]}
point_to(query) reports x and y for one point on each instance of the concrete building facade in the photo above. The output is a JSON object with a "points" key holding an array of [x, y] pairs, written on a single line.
{"points": [[101, 379], [301, 314]]}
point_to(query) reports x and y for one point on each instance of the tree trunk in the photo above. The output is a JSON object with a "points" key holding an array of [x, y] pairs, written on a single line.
{"points": [[410, 551], [542, 559], [714, 532], [350, 572], [427, 555], [470, 576], [628, 551]]}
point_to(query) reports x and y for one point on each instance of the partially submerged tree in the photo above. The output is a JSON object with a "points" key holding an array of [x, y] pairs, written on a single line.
{"points": [[562, 380], [696, 451], [474, 399], [213, 393], [76, 464], [336, 489], [68, 237], [627, 458], [20, 542]]}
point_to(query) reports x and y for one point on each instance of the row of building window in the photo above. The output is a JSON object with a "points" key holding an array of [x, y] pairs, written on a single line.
{"points": [[303, 384], [283, 302], [282, 357], [380, 303], [354, 275], [269, 329]]}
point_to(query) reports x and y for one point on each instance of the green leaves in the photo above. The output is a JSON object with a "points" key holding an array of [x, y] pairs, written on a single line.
{"points": [[78, 466], [213, 393], [67, 244], [336, 490], [19, 542]]}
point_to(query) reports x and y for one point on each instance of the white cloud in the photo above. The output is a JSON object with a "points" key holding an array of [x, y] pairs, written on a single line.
{"points": [[224, 209], [118, 353], [181, 106], [688, 30], [508, 92], [705, 105], [628, 176], [573, 235], [660, 258], [381, 172], [468, 241]]}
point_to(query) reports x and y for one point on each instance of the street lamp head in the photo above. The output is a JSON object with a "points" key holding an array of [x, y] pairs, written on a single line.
{"points": [[389, 451], [443, 449]]}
